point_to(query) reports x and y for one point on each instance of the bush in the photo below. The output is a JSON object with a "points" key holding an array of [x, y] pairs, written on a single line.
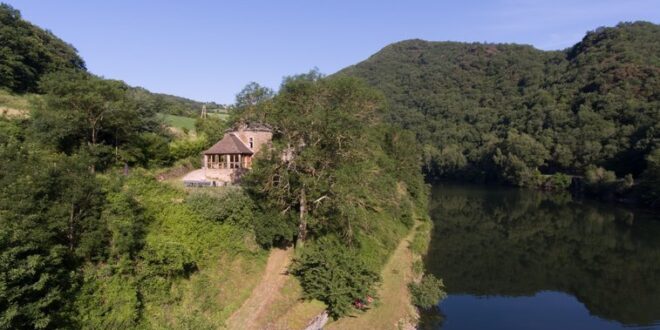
{"points": [[228, 206], [334, 274], [420, 242], [189, 147], [558, 181], [272, 229], [428, 292], [168, 260]]}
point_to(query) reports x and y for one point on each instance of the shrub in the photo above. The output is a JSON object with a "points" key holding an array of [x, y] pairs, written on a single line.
{"points": [[334, 274], [272, 229], [229, 206], [168, 260], [558, 181], [428, 292], [188, 147]]}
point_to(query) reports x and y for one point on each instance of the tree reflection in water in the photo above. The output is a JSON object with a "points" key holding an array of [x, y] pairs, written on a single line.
{"points": [[509, 242]]}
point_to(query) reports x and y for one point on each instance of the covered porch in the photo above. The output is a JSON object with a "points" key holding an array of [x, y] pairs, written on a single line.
{"points": [[227, 161]]}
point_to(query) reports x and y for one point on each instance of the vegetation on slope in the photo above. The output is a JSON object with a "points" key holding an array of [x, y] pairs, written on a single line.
{"points": [[28, 52], [82, 246], [347, 186], [509, 113]]}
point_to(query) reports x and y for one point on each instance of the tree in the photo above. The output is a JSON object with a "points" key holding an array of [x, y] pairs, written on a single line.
{"points": [[321, 129], [28, 52], [49, 219], [595, 103], [333, 273], [84, 111], [428, 292], [253, 94]]}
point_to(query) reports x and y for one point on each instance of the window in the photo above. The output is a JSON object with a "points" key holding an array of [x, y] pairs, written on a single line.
{"points": [[234, 161], [221, 161], [251, 143]]}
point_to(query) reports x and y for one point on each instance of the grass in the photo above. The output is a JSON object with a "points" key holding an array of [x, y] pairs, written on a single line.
{"points": [[289, 311], [179, 122], [188, 123], [222, 116], [13, 105], [229, 262]]}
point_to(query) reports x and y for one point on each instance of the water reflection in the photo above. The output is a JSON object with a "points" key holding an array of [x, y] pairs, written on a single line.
{"points": [[515, 243]]}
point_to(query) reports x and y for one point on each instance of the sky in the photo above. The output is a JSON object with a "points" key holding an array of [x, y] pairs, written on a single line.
{"points": [[209, 50]]}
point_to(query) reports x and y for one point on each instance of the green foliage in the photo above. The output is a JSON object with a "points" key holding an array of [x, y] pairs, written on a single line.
{"points": [[213, 128], [28, 52], [559, 181], [170, 105], [421, 240], [598, 176], [84, 111], [504, 112], [126, 224], [229, 206], [274, 229], [50, 207], [428, 292], [334, 171], [334, 273], [188, 147], [167, 259], [108, 300], [181, 122]]}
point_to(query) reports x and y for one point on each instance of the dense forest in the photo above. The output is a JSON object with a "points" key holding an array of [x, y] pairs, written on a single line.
{"points": [[515, 114], [94, 235]]}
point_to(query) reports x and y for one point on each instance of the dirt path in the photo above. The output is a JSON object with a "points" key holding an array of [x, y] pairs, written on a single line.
{"points": [[394, 310], [265, 293]]}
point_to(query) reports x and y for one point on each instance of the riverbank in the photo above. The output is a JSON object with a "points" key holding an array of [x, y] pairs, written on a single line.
{"points": [[393, 309]]}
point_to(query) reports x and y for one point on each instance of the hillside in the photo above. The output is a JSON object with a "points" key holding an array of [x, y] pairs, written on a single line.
{"points": [[505, 112], [28, 53]]}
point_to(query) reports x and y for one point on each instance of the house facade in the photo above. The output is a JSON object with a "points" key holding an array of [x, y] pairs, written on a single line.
{"points": [[228, 159]]}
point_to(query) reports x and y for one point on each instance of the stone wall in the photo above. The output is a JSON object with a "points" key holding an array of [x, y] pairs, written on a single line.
{"points": [[260, 138]]}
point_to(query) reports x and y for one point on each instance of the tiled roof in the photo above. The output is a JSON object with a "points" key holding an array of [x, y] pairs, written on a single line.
{"points": [[230, 144]]}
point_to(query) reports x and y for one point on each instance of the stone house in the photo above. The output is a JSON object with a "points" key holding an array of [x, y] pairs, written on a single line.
{"points": [[228, 159]]}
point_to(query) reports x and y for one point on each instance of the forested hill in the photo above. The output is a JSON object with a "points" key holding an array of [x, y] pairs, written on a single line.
{"points": [[510, 112], [27, 52]]}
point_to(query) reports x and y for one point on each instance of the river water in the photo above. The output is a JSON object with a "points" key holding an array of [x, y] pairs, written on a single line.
{"points": [[519, 259]]}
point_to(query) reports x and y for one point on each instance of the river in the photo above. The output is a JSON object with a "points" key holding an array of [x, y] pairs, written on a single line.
{"points": [[520, 259]]}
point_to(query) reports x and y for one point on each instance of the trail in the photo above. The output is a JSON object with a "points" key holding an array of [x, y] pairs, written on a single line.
{"points": [[265, 293]]}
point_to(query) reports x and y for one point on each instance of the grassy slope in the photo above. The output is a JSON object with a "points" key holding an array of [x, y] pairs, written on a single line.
{"points": [[179, 122], [16, 105], [229, 265], [276, 302]]}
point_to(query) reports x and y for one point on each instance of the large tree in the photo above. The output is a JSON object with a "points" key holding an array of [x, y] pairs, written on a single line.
{"points": [[321, 128]]}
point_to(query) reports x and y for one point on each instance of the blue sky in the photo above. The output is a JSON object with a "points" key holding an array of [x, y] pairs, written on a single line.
{"points": [[209, 50]]}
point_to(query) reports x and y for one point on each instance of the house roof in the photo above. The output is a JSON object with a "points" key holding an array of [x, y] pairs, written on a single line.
{"points": [[230, 144]]}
